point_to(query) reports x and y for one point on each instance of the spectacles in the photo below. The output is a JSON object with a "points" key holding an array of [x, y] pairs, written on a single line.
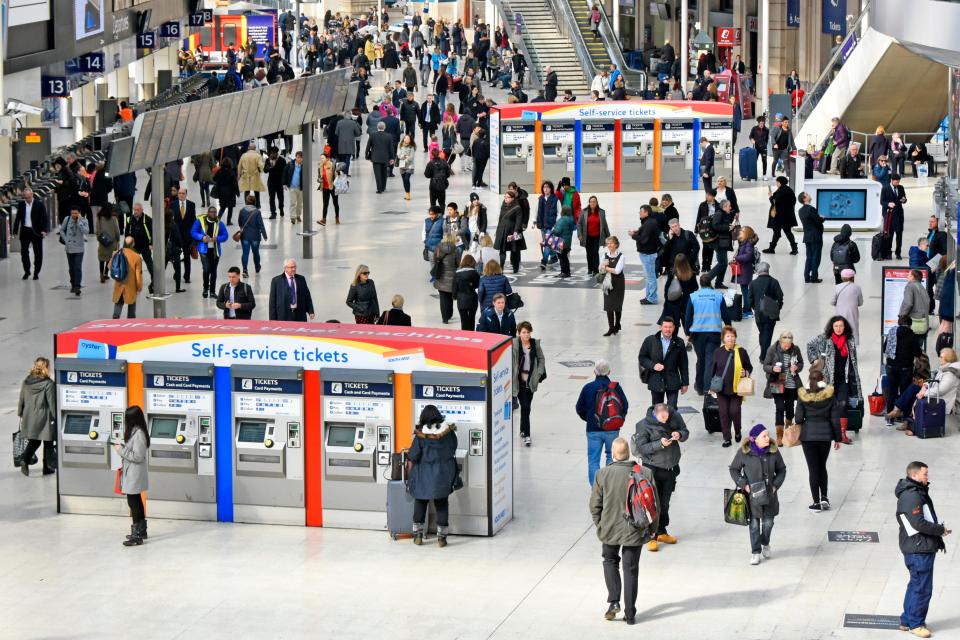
{"points": [[364, 273]]}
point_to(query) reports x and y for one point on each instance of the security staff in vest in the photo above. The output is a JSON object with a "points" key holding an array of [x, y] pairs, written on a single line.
{"points": [[140, 227], [32, 224], [236, 297], [289, 295], [706, 316], [663, 364]]}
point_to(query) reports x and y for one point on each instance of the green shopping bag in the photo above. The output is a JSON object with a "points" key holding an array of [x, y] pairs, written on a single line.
{"points": [[736, 507]]}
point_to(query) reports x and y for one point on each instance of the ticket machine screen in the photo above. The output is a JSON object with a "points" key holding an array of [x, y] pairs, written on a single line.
{"points": [[252, 431], [164, 428], [77, 424], [341, 436]]}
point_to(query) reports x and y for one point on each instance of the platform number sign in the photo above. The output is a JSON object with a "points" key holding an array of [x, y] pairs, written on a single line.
{"points": [[92, 62], [54, 87], [147, 40], [207, 16], [196, 19], [170, 29]]}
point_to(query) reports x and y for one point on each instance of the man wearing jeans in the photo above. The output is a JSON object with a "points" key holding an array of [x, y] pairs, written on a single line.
{"points": [[647, 238], [921, 536], [293, 180], [597, 438]]}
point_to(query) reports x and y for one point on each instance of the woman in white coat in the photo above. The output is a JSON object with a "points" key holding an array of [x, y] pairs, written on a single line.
{"points": [[134, 472], [848, 298]]}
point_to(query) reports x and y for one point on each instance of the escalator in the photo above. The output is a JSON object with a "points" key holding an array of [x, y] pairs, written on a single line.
{"points": [[596, 46]]}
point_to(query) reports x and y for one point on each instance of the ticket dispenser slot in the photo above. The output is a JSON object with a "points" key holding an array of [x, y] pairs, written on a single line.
{"points": [[268, 464], [517, 157], [676, 154], [358, 440], [92, 399], [462, 399], [558, 148], [597, 156], [637, 162]]}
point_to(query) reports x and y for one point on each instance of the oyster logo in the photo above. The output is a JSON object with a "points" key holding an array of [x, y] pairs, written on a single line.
{"points": [[336, 388], [246, 384], [158, 381], [428, 392], [71, 376]]}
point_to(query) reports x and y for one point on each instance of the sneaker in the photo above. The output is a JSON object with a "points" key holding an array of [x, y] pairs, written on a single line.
{"points": [[612, 611], [652, 545], [755, 559], [645, 301], [765, 551], [824, 505], [815, 507], [726, 443], [666, 538], [921, 632], [747, 316], [526, 441]]}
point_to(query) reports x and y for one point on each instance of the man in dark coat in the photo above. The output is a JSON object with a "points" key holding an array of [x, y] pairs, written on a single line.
{"points": [[392, 126], [480, 150], [498, 319], [663, 364], [382, 153], [184, 214], [812, 238], [782, 218], [274, 168], [707, 163], [409, 115], [851, 165], [550, 84], [429, 120], [680, 241], [289, 295], [33, 225], [235, 297], [892, 199]]}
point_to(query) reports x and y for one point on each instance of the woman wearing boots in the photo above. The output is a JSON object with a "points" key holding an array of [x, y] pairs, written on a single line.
{"points": [[134, 473], [614, 284], [37, 411], [434, 471], [758, 469], [783, 365], [818, 414], [838, 350]]}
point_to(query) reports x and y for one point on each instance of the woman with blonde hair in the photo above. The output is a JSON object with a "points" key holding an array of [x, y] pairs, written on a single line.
{"points": [[492, 282], [879, 146], [485, 252], [36, 409], [362, 297]]}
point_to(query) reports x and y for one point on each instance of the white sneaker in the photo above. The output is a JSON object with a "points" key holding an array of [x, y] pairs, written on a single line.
{"points": [[765, 551], [755, 559], [526, 441], [825, 505]]}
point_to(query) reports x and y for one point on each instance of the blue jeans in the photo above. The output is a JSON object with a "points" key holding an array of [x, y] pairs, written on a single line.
{"points": [[811, 270], [345, 159], [916, 600], [745, 292], [760, 533], [596, 442], [247, 246], [442, 101], [649, 262]]}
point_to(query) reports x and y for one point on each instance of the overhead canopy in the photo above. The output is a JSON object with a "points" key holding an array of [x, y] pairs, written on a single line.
{"points": [[187, 129]]}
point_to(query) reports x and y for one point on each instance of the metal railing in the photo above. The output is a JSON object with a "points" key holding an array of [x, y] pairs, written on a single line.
{"points": [[508, 17], [819, 88]]}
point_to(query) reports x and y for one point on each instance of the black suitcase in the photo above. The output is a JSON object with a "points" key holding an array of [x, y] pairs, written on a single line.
{"points": [[711, 414], [399, 509], [944, 340], [876, 247], [808, 167]]}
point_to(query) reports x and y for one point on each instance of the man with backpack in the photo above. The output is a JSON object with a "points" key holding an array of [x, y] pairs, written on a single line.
{"points": [[657, 442], [603, 406], [619, 486]]}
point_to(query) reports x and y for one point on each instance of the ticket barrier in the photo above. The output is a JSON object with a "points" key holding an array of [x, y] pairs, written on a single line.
{"points": [[358, 442], [636, 172], [179, 406], [92, 399], [462, 399], [720, 133], [677, 149], [268, 462], [559, 140], [596, 157], [517, 159]]}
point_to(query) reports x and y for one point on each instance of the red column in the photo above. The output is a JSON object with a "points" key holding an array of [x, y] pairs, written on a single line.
{"points": [[617, 155], [312, 453]]}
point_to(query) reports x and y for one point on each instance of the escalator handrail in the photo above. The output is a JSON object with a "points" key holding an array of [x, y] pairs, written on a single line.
{"points": [[534, 73], [636, 80]]}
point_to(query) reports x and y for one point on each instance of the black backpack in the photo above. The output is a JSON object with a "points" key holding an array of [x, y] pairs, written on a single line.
{"points": [[840, 253]]}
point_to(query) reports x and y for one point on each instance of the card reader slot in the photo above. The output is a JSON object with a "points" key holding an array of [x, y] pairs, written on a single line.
{"points": [[262, 459], [179, 455]]}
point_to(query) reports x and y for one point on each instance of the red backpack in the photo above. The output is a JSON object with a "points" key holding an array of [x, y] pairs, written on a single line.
{"points": [[641, 507], [609, 408]]}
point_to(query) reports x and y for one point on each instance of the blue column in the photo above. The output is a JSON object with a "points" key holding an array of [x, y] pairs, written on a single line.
{"points": [[696, 154], [223, 432], [577, 152]]}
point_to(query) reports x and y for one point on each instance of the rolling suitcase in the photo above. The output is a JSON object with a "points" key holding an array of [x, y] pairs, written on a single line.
{"points": [[748, 163], [876, 247], [711, 414], [929, 418], [399, 509], [808, 167]]}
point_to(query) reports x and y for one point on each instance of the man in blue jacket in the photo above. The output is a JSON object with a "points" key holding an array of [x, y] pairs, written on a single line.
{"points": [[597, 438], [921, 536], [209, 233], [498, 319]]}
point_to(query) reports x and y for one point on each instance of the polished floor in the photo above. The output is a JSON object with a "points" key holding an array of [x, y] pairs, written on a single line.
{"points": [[66, 576]]}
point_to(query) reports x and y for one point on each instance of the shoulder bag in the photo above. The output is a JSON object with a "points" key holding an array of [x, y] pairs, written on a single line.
{"points": [[716, 382], [239, 232]]}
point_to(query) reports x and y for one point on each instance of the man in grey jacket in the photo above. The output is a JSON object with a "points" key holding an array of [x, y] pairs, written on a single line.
{"points": [[916, 304], [657, 442], [73, 235], [347, 133], [618, 536]]}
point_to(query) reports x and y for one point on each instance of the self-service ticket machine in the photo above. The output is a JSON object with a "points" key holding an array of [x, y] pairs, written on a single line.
{"points": [[636, 172], [268, 462], [179, 404], [91, 403], [720, 133], [462, 399], [358, 440], [677, 150], [559, 139], [516, 153], [596, 157]]}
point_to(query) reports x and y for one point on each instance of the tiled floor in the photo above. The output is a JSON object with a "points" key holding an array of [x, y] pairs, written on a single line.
{"points": [[67, 576]]}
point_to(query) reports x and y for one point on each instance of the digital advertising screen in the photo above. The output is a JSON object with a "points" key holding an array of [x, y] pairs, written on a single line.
{"points": [[88, 18], [842, 204]]}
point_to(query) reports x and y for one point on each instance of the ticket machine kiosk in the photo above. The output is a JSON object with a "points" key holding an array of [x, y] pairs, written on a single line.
{"points": [[636, 169], [677, 150], [558, 150], [516, 153], [358, 440], [268, 462], [720, 133], [179, 405], [92, 398], [596, 157], [462, 399]]}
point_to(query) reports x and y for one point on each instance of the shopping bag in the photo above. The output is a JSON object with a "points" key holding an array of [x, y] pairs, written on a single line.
{"points": [[116, 483], [19, 446], [745, 387], [878, 404], [736, 507]]}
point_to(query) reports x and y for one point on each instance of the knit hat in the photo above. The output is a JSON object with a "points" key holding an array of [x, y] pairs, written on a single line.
{"points": [[474, 196], [848, 273], [756, 431]]}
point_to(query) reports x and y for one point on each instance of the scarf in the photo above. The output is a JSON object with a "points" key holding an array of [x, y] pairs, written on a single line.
{"points": [[840, 342], [737, 367]]}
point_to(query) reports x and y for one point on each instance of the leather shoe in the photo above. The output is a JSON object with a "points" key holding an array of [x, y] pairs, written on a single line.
{"points": [[652, 545], [666, 538], [768, 250]]}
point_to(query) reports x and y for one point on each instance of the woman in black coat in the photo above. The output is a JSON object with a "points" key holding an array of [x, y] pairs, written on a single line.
{"points": [[676, 296], [721, 224], [225, 188], [433, 472], [510, 225], [465, 283], [782, 218], [362, 297], [818, 414], [879, 146]]}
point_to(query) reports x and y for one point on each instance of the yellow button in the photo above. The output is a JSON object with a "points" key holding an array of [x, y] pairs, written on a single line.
{"points": [[180, 438], [358, 447], [268, 443], [94, 435]]}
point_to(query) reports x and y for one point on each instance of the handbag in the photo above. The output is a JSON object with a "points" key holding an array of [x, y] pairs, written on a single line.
{"points": [[194, 253], [600, 276], [735, 269], [920, 326], [716, 382], [878, 404], [105, 239], [791, 435], [19, 446], [239, 232], [457, 148], [745, 387], [759, 493], [736, 507], [768, 306], [674, 291]]}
